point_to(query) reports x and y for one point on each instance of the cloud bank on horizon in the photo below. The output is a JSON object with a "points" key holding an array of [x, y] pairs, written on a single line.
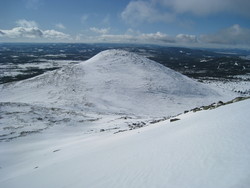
{"points": [[176, 22], [29, 30]]}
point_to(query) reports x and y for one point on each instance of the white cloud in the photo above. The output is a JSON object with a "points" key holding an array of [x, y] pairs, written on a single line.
{"points": [[29, 30], [52, 34], [205, 7], [141, 11], [21, 32], [26, 24], [79, 37], [157, 37], [184, 38], [150, 11], [60, 26], [233, 35], [117, 38], [99, 30], [133, 37]]}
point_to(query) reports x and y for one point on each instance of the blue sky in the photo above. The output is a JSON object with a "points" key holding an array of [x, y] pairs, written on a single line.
{"points": [[166, 22]]}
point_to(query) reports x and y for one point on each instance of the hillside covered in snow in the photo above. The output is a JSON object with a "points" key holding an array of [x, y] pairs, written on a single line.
{"points": [[204, 149], [117, 120]]}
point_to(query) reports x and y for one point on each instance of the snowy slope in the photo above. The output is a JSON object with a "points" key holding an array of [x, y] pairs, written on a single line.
{"points": [[114, 82], [208, 149]]}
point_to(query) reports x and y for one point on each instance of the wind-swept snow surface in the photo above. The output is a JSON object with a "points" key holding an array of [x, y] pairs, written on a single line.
{"points": [[208, 149], [116, 82]]}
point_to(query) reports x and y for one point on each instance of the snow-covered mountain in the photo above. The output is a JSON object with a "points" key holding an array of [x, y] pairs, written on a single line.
{"points": [[79, 127], [114, 82]]}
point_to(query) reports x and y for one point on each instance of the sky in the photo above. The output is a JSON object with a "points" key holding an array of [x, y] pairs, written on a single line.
{"points": [[213, 23]]}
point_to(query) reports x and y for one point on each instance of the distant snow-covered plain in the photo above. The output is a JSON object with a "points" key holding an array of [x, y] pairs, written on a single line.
{"points": [[12, 69]]}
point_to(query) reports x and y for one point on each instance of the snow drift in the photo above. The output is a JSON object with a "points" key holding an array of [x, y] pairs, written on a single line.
{"points": [[116, 82]]}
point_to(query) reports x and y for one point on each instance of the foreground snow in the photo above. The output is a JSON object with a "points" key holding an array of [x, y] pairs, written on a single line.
{"points": [[205, 149]]}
